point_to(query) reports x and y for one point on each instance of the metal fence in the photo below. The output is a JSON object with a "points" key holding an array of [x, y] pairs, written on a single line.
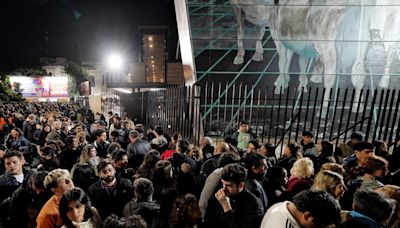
{"points": [[216, 109]]}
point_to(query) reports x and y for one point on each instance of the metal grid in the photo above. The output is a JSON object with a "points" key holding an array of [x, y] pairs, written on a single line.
{"points": [[213, 31]]}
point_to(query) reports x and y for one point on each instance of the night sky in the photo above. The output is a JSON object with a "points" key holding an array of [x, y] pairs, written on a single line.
{"points": [[81, 30]]}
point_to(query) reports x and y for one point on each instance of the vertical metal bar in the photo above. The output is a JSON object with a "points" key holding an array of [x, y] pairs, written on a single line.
{"points": [[398, 121], [349, 115], [320, 111], [233, 101], [251, 105], [245, 104], [205, 108], [307, 108], [186, 109], [173, 116], [165, 111], [258, 110], [379, 113], [239, 103], [160, 109], [383, 119], [314, 109], [358, 109], [341, 115], [264, 116], [176, 122], [394, 118], [299, 110], [389, 116], [271, 114], [334, 114], [168, 108], [371, 114], [327, 113], [189, 123], [364, 110], [277, 117], [182, 110], [225, 106], [211, 102], [218, 109], [178, 107], [201, 124], [284, 117]]}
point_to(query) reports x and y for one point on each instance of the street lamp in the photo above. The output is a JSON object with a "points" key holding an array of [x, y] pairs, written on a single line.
{"points": [[115, 62]]}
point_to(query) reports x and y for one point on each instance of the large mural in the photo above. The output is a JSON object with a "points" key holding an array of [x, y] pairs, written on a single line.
{"points": [[343, 41]]}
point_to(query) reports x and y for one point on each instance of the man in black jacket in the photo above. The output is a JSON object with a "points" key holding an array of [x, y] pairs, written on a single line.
{"points": [[110, 194], [137, 149], [233, 205], [15, 174], [256, 165], [184, 168], [143, 203], [101, 143], [27, 201]]}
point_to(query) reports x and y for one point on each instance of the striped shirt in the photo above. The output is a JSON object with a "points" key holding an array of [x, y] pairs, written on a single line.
{"points": [[278, 216]]}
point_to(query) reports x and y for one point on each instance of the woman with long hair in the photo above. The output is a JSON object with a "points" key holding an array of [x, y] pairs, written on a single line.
{"points": [[146, 169], [164, 188], [76, 210], [330, 182], [325, 154], [89, 155], [15, 140]]}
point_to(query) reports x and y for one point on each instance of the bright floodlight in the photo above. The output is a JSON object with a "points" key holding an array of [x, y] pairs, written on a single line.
{"points": [[115, 61]]}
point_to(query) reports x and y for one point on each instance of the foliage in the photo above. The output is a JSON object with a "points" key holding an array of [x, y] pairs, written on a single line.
{"points": [[77, 75], [6, 93], [28, 72]]}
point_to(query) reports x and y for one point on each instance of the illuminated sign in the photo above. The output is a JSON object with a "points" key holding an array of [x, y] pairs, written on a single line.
{"points": [[41, 86]]}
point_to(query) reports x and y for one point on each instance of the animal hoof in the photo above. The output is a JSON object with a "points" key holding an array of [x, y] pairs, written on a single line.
{"points": [[238, 60], [258, 57]]}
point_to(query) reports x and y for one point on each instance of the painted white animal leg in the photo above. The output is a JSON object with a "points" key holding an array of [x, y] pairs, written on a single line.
{"points": [[358, 75], [285, 57], [318, 71], [239, 59], [329, 60], [303, 62], [384, 82], [259, 54]]}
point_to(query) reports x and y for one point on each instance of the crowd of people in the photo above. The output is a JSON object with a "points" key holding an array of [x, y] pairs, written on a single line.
{"points": [[64, 166]]}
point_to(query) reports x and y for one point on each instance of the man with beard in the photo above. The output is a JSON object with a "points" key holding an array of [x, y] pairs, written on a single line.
{"points": [[256, 165], [110, 194], [120, 161], [233, 205], [56, 133]]}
